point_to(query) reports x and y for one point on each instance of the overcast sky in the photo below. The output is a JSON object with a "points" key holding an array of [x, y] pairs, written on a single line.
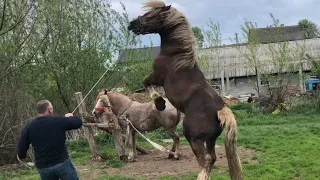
{"points": [[230, 14]]}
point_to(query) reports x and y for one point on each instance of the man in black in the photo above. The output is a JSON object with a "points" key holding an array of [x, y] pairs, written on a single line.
{"points": [[47, 134]]}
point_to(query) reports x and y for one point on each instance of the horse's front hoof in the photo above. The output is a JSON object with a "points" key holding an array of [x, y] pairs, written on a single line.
{"points": [[160, 104], [176, 157], [171, 156]]}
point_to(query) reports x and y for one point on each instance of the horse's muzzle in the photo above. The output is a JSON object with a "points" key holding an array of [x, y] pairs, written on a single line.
{"points": [[135, 25]]}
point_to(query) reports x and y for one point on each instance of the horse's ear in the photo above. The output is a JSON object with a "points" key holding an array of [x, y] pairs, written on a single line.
{"points": [[167, 8], [105, 91]]}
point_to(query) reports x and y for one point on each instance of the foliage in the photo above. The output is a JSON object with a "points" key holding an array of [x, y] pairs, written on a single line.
{"points": [[52, 50], [309, 28], [315, 65], [137, 65], [198, 34], [209, 58], [277, 70], [250, 53], [213, 34], [315, 69]]}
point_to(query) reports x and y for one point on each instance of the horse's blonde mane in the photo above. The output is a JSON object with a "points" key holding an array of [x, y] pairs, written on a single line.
{"points": [[151, 5], [182, 36]]}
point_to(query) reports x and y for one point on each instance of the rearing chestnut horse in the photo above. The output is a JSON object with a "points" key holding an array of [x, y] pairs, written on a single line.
{"points": [[175, 68]]}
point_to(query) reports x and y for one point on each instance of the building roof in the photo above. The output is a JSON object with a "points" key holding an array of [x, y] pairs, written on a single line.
{"points": [[277, 34], [138, 54]]}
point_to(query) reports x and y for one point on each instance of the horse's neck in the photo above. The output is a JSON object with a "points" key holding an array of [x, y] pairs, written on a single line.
{"points": [[118, 103], [167, 42], [169, 39]]}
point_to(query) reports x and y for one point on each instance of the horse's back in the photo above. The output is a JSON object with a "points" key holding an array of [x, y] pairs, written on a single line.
{"points": [[169, 114]]}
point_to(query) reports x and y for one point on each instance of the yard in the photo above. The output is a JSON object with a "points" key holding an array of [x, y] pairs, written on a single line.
{"points": [[284, 146]]}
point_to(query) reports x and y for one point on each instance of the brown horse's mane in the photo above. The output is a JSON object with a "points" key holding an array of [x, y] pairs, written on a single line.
{"points": [[182, 34]]}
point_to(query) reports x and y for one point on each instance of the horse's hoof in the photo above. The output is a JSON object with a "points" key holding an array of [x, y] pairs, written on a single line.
{"points": [[160, 103], [171, 156]]}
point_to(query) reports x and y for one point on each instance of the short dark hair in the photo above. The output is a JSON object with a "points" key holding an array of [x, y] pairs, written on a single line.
{"points": [[42, 106]]}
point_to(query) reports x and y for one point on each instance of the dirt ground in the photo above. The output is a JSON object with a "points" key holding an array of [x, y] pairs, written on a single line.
{"points": [[156, 164]]}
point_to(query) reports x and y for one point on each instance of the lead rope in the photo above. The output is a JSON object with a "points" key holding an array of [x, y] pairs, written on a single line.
{"points": [[157, 146], [90, 91]]}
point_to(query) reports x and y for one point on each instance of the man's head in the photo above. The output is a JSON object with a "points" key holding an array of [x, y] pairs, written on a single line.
{"points": [[44, 107]]}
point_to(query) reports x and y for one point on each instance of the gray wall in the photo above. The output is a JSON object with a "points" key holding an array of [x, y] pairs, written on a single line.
{"points": [[244, 85]]}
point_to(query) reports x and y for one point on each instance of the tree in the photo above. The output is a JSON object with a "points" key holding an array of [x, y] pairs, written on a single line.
{"points": [[309, 28], [198, 34], [209, 59], [272, 62], [52, 50]]}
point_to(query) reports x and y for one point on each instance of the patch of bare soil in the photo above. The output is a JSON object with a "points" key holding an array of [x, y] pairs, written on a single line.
{"points": [[156, 163]]}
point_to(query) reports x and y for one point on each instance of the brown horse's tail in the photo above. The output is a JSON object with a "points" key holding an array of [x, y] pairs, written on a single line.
{"points": [[228, 121]]}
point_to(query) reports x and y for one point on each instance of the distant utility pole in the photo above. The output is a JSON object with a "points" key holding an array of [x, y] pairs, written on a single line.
{"points": [[237, 40]]}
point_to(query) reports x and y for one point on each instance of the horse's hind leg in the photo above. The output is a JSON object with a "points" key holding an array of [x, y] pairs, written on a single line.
{"points": [[211, 151], [175, 145], [202, 158]]}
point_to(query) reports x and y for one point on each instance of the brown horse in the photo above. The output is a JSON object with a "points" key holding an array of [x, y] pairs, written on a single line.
{"points": [[175, 68], [143, 116]]}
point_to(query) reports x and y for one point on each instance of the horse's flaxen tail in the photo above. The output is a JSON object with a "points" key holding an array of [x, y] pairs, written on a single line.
{"points": [[228, 121]]}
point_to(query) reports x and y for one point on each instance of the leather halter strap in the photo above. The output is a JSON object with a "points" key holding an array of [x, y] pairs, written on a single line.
{"points": [[99, 108]]}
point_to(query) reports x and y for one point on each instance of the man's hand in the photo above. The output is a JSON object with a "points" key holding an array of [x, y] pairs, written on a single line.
{"points": [[68, 115]]}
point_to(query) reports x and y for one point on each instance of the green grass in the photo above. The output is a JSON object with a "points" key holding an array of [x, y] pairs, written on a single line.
{"points": [[287, 146]]}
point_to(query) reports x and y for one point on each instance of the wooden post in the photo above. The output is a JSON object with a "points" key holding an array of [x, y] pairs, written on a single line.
{"points": [[109, 117], [301, 78], [106, 127], [258, 81], [88, 130], [223, 89], [138, 147], [118, 141], [228, 82]]}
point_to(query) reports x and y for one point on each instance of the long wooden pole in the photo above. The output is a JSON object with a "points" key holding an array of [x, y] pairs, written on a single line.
{"points": [[88, 130], [109, 117]]}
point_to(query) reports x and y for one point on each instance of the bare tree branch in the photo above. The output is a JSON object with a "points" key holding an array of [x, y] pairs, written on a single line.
{"points": [[19, 22], [18, 50], [3, 13], [29, 59]]}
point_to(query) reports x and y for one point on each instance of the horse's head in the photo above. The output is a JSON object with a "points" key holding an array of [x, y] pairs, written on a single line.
{"points": [[100, 104], [153, 21]]}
